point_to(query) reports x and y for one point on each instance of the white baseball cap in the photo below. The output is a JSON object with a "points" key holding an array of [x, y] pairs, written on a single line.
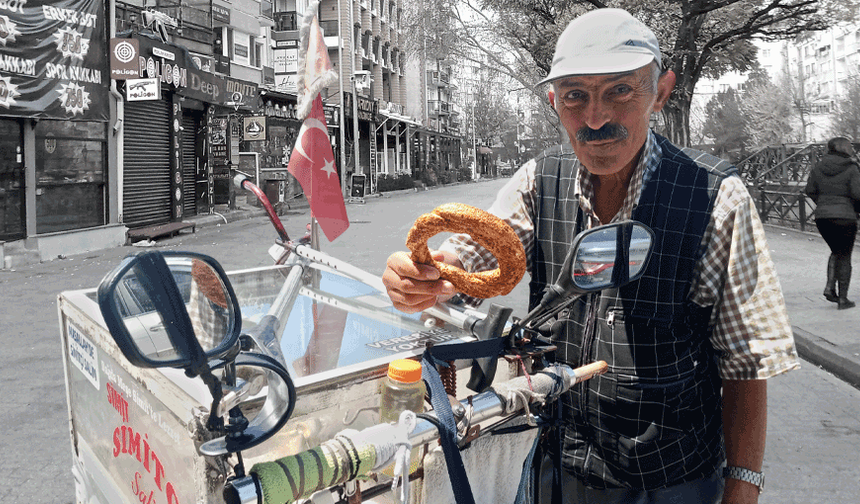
{"points": [[603, 41]]}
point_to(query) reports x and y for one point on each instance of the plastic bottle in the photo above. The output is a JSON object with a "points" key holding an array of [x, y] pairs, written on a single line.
{"points": [[402, 390]]}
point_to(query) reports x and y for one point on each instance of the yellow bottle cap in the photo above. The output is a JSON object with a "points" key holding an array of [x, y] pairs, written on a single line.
{"points": [[404, 370]]}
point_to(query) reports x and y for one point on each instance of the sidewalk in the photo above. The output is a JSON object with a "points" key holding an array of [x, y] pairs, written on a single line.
{"points": [[824, 336]]}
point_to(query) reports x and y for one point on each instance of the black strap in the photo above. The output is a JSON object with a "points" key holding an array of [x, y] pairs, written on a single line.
{"points": [[439, 399]]}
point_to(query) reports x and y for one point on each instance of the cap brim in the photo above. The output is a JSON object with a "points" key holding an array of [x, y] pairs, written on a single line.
{"points": [[606, 64]]}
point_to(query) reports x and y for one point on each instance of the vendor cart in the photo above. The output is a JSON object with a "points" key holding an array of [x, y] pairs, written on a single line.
{"points": [[166, 405]]}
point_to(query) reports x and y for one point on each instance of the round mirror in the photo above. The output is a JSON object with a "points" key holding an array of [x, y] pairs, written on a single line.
{"points": [[640, 250], [602, 248], [595, 259]]}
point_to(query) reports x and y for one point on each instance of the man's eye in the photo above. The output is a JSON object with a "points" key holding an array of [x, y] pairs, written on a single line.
{"points": [[621, 89], [573, 96]]}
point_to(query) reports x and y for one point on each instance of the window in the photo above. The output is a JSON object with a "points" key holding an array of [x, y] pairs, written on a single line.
{"points": [[71, 160]]}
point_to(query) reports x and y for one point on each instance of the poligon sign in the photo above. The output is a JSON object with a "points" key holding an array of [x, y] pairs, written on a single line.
{"points": [[173, 66]]}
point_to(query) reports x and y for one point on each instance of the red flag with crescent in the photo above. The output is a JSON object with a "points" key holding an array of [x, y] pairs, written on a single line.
{"points": [[312, 160], [312, 163]]}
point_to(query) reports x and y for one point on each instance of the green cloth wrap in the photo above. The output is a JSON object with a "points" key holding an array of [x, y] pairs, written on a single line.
{"points": [[297, 476]]}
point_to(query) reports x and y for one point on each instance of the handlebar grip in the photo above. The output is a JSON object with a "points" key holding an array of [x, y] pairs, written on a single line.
{"points": [[297, 476], [589, 371]]}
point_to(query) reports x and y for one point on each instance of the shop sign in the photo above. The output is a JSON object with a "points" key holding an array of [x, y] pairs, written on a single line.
{"points": [[240, 50], [246, 90], [142, 90], [254, 128], [332, 118], [204, 63], [286, 61], [287, 44], [222, 64], [161, 53], [286, 83], [367, 109], [53, 61], [220, 14], [124, 55], [182, 74]]}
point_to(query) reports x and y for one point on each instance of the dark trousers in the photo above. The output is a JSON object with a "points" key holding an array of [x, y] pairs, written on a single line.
{"points": [[839, 234], [701, 491]]}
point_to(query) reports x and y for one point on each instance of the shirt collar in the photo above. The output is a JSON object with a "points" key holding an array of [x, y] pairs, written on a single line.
{"points": [[648, 162]]}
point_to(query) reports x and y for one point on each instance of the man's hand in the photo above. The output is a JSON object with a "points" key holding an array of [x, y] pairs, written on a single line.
{"points": [[415, 287]]}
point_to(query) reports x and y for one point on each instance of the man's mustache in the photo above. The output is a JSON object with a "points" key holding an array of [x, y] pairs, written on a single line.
{"points": [[609, 131]]}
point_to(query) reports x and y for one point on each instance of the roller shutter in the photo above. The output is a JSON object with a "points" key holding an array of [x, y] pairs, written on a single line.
{"points": [[190, 129], [146, 163]]}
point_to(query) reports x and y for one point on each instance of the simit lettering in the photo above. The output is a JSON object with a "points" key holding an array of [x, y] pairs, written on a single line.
{"points": [[127, 441], [118, 402]]}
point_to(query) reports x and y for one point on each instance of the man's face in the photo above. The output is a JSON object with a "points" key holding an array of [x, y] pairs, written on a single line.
{"points": [[606, 116]]}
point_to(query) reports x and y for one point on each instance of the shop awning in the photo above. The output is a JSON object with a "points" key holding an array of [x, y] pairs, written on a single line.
{"points": [[397, 117], [485, 150]]}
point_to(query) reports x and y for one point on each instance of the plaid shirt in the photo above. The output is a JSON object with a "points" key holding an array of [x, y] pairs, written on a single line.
{"points": [[751, 334]]}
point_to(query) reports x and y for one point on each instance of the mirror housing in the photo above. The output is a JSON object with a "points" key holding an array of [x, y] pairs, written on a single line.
{"points": [[146, 301]]}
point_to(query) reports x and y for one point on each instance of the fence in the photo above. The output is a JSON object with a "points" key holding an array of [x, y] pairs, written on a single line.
{"points": [[776, 177]]}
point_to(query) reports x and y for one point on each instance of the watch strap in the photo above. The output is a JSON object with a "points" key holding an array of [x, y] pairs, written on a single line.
{"points": [[744, 474]]}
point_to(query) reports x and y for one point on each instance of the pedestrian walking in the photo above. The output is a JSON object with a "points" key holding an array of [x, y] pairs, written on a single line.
{"points": [[834, 186], [689, 345]]}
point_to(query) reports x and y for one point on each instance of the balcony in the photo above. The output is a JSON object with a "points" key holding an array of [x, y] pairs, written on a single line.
{"points": [[329, 28], [286, 21], [438, 108], [193, 22], [438, 79]]}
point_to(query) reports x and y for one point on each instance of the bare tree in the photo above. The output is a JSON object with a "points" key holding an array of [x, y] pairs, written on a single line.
{"points": [[846, 115], [698, 37], [769, 111]]}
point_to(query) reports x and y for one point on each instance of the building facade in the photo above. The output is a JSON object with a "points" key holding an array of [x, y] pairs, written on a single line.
{"points": [[162, 104], [820, 65]]}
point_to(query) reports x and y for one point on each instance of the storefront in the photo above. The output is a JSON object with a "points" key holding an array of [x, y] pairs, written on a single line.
{"points": [[170, 107], [54, 134], [365, 148], [277, 112], [393, 132]]}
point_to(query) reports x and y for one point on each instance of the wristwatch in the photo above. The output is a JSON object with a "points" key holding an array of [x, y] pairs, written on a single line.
{"points": [[744, 474]]}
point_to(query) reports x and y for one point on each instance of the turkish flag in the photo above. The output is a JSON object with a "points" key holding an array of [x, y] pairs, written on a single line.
{"points": [[312, 163]]}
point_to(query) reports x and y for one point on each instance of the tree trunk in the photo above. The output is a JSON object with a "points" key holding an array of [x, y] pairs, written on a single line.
{"points": [[676, 123]]}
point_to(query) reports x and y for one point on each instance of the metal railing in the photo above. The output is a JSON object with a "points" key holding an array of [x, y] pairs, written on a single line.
{"points": [[776, 177]]}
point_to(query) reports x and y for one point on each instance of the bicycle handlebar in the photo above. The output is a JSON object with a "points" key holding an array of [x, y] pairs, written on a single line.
{"points": [[342, 459]]}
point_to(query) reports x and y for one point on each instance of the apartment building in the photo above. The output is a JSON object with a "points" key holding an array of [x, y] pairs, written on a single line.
{"points": [[820, 65]]}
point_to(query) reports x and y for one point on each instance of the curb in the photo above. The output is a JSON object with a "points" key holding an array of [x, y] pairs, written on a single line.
{"points": [[828, 356]]}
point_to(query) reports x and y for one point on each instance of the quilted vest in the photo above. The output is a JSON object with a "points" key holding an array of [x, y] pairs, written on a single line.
{"points": [[654, 419]]}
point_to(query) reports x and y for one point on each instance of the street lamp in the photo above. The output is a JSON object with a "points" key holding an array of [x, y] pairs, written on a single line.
{"points": [[474, 145]]}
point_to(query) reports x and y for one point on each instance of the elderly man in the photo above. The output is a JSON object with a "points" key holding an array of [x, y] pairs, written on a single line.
{"points": [[690, 343]]}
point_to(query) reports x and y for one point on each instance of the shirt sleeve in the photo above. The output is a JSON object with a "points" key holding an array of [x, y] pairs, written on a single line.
{"points": [[752, 334], [514, 204]]}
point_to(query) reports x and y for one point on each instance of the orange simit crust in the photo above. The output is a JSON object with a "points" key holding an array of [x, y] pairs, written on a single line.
{"points": [[490, 231]]}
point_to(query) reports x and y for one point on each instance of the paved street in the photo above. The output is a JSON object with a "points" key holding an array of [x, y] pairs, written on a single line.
{"points": [[813, 451]]}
